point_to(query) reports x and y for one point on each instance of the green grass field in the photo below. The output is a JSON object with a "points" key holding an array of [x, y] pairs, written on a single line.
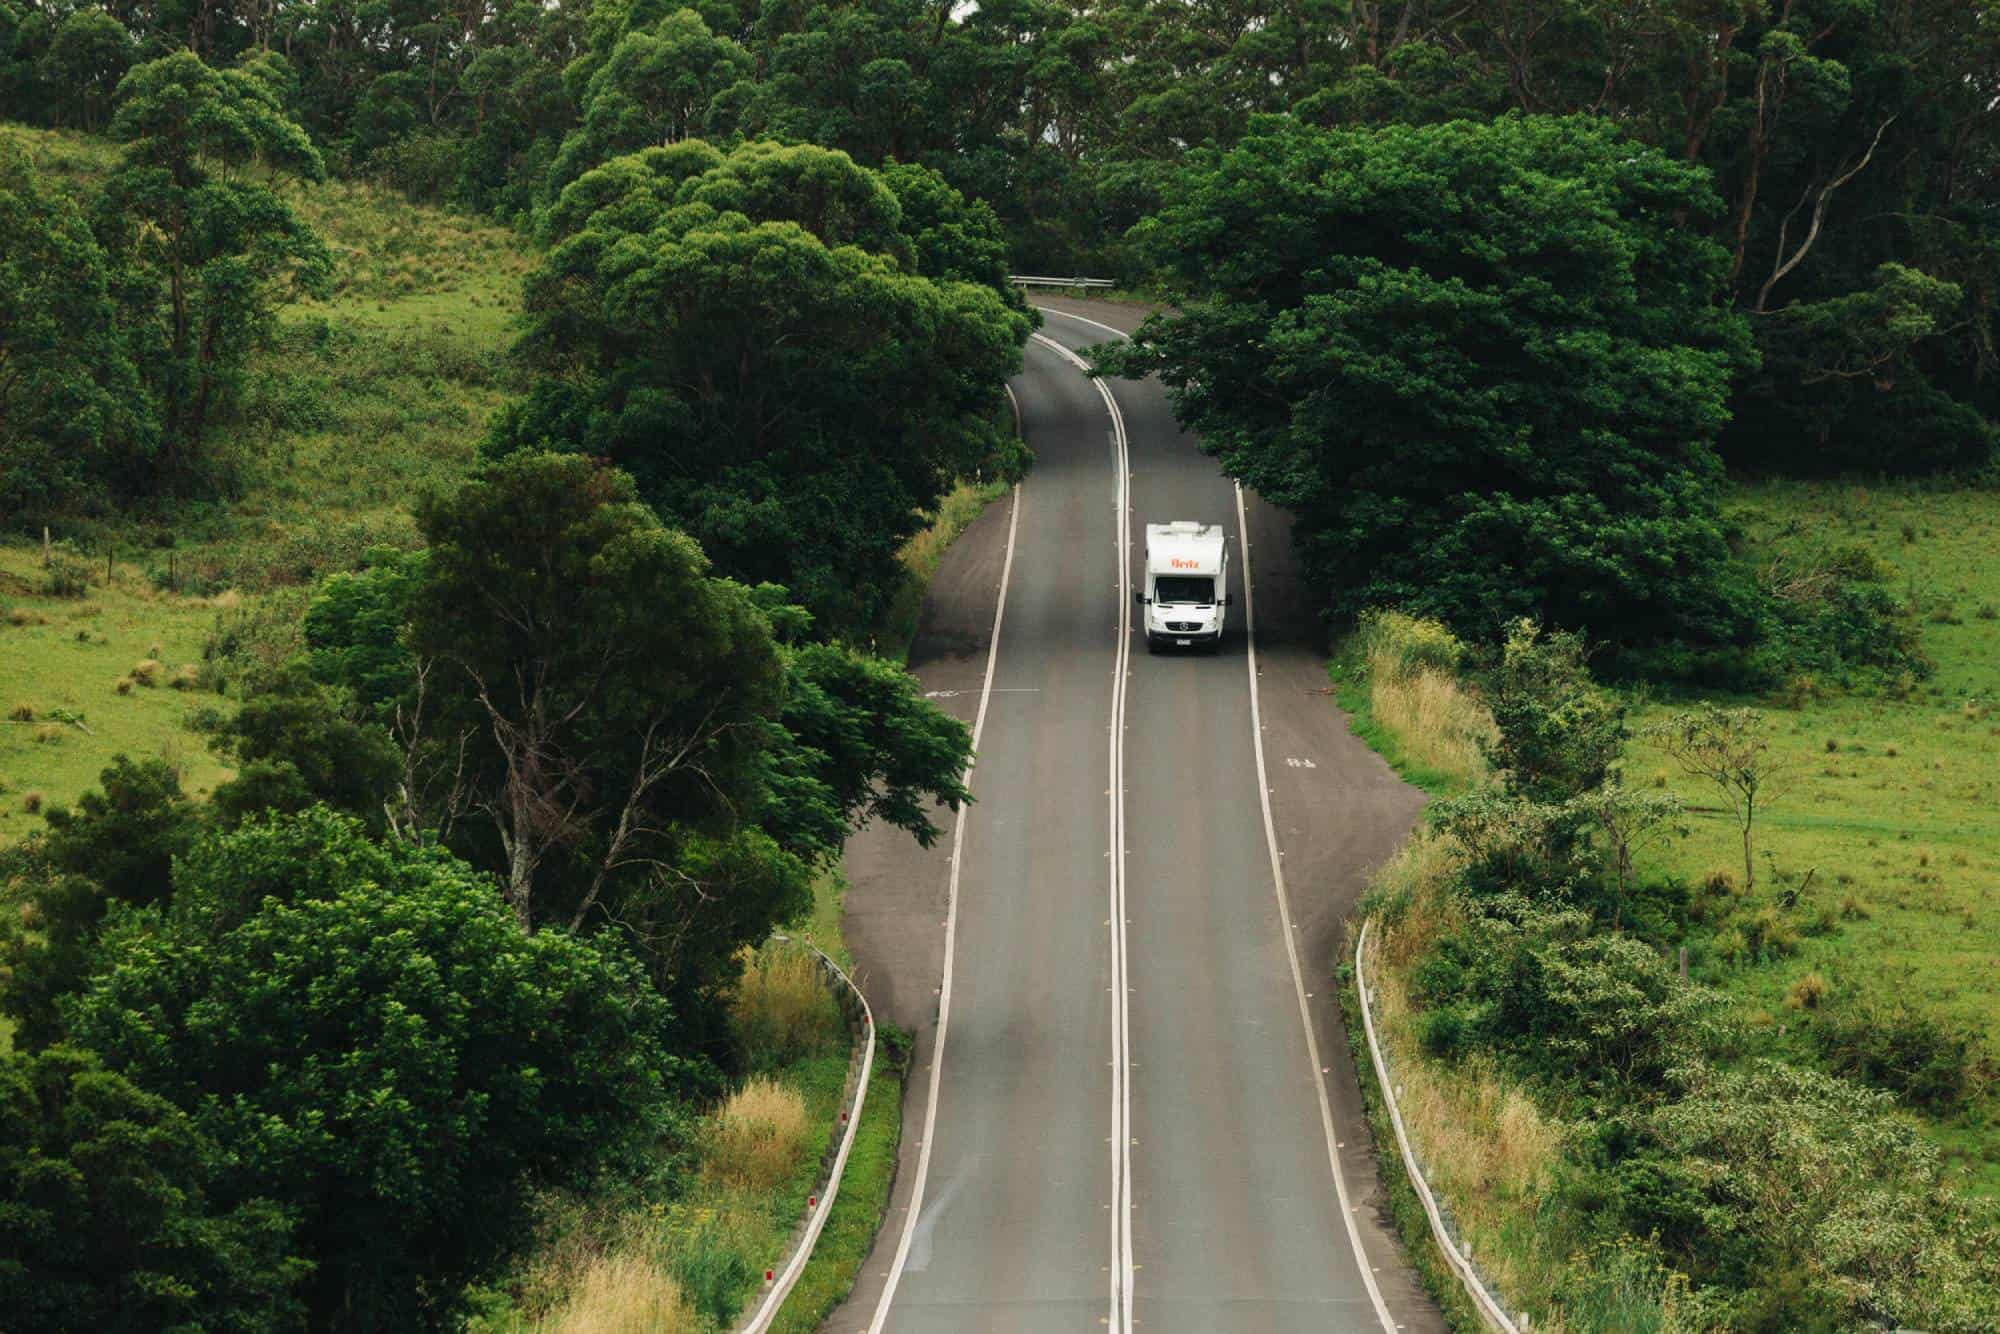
{"points": [[1890, 795], [62, 661]]}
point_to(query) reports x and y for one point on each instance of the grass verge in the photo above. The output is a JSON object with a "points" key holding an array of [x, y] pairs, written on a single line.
{"points": [[863, 1200]]}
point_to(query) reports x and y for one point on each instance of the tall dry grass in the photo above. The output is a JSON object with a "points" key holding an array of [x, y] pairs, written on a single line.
{"points": [[758, 1137], [624, 1292], [1415, 692], [781, 1010]]}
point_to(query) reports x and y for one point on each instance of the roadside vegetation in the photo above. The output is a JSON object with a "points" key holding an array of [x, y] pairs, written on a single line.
{"points": [[439, 672], [659, 1255], [1624, 1149], [530, 583]]}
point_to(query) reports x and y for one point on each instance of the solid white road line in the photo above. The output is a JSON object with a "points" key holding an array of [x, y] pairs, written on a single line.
{"points": [[1122, 1269], [950, 943], [1291, 945]]}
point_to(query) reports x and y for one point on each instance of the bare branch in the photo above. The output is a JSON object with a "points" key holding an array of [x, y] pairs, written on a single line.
{"points": [[1781, 265]]}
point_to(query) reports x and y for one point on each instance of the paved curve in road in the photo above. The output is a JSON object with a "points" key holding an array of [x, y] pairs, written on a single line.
{"points": [[1034, 1192]]}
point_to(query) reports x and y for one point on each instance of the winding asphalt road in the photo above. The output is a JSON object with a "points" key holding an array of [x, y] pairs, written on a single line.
{"points": [[1131, 1104]]}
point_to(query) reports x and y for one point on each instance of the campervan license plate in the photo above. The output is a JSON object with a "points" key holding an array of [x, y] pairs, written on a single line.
{"points": [[1182, 643]]}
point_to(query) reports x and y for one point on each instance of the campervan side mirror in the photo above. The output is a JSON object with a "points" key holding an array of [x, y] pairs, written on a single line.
{"points": [[1139, 596]]}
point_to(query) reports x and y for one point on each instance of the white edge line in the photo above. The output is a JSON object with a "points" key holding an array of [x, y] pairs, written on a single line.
{"points": [[1285, 925], [1488, 1305], [782, 1288], [950, 944], [1083, 319], [1124, 1271]]}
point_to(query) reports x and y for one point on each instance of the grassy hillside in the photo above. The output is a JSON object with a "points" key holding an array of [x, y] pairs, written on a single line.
{"points": [[370, 397], [1890, 801]]}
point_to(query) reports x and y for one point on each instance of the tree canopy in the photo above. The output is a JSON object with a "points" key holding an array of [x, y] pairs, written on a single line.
{"points": [[1483, 364], [751, 336], [403, 1059]]}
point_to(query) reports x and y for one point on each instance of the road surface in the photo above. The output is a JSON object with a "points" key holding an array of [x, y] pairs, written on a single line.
{"points": [[1131, 1128]]}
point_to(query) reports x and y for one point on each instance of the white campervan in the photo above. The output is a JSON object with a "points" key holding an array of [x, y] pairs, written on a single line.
{"points": [[1186, 588]]}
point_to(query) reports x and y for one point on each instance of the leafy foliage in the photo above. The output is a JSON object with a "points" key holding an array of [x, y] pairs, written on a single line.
{"points": [[116, 847], [109, 1214], [403, 1057], [74, 425], [295, 746], [220, 247], [745, 334], [1482, 364]]}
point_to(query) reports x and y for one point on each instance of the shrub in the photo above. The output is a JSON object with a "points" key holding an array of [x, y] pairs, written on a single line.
{"points": [[780, 1009], [147, 672], [48, 734], [1395, 644], [31, 803], [186, 677], [1769, 934], [1557, 735], [65, 577], [418, 1062], [1923, 1058], [252, 641], [21, 713], [757, 1136], [1834, 1210], [1808, 993]]}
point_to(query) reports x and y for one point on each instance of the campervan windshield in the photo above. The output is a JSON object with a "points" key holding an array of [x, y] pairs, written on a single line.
{"points": [[1198, 590]]}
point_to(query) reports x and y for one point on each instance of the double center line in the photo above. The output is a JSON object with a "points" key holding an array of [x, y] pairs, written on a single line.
{"points": [[1122, 1268]]}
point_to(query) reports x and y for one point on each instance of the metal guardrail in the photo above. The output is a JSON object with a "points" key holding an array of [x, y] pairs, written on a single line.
{"points": [[855, 1006], [1030, 280], [1489, 1306]]}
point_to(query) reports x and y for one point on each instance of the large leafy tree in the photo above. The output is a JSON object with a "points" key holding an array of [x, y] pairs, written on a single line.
{"points": [[193, 203], [657, 86], [74, 420], [391, 1059], [1482, 364], [617, 691], [632, 743], [88, 56], [748, 335], [109, 1219]]}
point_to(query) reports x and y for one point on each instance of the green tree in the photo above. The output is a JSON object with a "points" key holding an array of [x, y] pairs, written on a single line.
{"points": [[745, 335], [83, 65], [109, 1219], [1557, 735], [1482, 365], [860, 742], [117, 846], [74, 420], [392, 1060], [295, 745], [222, 245], [655, 87], [619, 691], [1731, 749]]}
